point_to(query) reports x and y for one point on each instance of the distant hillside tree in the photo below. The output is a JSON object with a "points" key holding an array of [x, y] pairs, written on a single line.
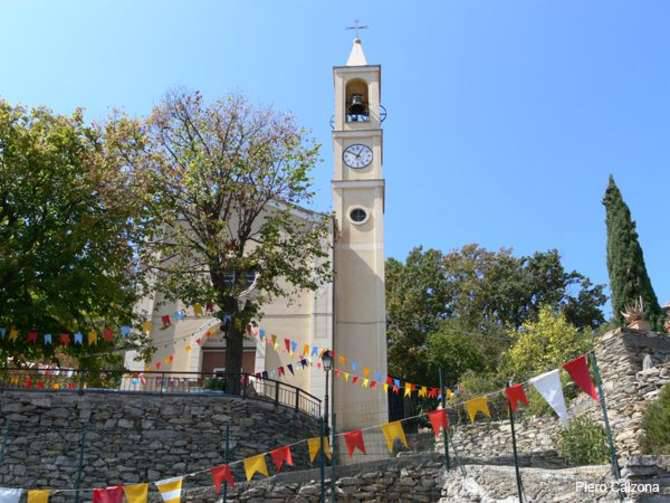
{"points": [[629, 280], [433, 298]]}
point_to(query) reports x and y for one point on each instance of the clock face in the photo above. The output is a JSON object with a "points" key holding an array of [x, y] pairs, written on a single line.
{"points": [[357, 156]]}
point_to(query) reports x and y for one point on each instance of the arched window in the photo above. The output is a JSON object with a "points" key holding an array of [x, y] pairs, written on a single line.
{"points": [[357, 109]]}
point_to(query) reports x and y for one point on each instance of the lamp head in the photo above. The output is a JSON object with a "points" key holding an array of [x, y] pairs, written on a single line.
{"points": [[327, 359]]}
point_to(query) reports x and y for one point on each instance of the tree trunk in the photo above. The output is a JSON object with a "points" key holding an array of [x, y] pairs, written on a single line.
{"points": [[234, 346]]}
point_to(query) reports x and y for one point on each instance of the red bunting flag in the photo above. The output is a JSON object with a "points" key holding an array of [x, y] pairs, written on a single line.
{"points": [[433, 392], [198, 341], [281, 371], [158, 365], [389, 380], [209, 308], [280, 456], [337, 372], [354, 440], [31, 337], [396, 390], [516, 394], [354, 379], [220, 474], [64, 339], [373, 384], [166, 321], [107, 334], [287, 345], [579, 371], [438, 419], [112, 494], [40, 385]]}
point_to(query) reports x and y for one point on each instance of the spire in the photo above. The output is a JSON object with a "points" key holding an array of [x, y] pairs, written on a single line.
{"points": [[357, 56]]}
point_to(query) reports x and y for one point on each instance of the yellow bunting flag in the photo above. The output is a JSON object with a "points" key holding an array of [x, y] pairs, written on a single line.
{"points": [[475, 405], [393, 431], [274, 341], [91, 337], [188, 348], [170, 489], [346, 376], [386, 388], [255, 464], [137, 493], [365, 383], [314, 446], [13, 334], [39, 496], [408, 389], [197, 310], [146, 326], [423, 391], [450, 394]]}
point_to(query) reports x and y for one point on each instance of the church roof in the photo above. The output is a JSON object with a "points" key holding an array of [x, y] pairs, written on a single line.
{"points": [[357, 56]]}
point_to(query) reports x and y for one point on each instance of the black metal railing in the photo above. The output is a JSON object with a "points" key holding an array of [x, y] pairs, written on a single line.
{"points": [[156, 382]]}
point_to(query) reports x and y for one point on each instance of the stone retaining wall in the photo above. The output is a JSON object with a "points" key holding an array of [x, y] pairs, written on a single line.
{"points": [[136, 438]]}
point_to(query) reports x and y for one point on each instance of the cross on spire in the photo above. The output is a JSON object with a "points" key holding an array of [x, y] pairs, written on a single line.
{"points": [[357, 27]]}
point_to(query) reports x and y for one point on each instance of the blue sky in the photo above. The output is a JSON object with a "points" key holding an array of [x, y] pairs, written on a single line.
{"points": [[505, 118]]}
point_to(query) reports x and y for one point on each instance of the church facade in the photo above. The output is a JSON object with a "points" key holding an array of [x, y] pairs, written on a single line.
{"points": [[347, 315]]}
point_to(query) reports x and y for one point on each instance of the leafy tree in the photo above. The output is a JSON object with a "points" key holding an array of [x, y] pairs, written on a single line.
{"points": [[454, 353], [478, 293], [625, 261], [68, 218], [542, 345], [226, 181]]}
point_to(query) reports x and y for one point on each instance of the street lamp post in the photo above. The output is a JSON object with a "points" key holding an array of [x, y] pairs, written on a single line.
{"points": [[327, 360]]}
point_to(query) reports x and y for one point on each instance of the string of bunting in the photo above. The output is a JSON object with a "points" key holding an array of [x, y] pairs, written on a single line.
{"points": [[547, 384]]}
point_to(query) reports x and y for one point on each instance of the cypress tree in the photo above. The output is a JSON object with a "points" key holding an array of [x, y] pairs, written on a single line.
{"points": [[625, 261]]}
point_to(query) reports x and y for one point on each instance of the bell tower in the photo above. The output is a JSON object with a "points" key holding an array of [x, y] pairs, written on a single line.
{"points": [[358, 200]]}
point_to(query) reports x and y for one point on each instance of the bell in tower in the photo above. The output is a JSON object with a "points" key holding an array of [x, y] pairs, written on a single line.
{"points": [[357, 101]]}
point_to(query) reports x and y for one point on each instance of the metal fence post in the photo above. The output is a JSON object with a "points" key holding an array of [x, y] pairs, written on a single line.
{"points": [[445, 436], [226, 457], [603, 406], [297, 399], [333, 462], [80, 468], [516, 458], [276, 393]]}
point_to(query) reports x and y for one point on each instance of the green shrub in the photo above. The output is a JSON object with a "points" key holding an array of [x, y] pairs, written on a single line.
{"points": [[216, 384], [656, 425], [583, 442]]}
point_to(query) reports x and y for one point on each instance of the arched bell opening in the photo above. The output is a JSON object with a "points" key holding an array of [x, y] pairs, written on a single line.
{"points": [[357, 109]]}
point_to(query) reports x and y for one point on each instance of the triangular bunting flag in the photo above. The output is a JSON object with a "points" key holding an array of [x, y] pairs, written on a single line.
{"points": [[287, 345], [281, 456], [255, 464], [354, 440], [108, 334], [423, 391], [393, 431], [221, 474], [290, 369], [314, 447], [166, 321], [113, 494], [39, 496], [549, 386], [78, 338], [516, 394], [197, 310], [294, 346], [146, 327], [91, 337], [48, 339], [438, 419], [579, 371], [315, 351], [366, 372], [409, 387], [10, 495], [170, 489], [479, 404], [137, 493], [31, 337], [64, 339]]}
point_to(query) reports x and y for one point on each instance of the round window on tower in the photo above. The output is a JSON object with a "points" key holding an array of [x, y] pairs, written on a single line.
{"points": [[358, 216]]}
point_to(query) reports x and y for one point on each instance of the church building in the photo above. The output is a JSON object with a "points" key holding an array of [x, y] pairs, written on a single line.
{"points": [[348, 315]]}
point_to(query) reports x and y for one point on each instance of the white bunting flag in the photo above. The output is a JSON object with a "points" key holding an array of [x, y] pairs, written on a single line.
{"points": [[10, 495], [549, 386], [170, 489]]}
